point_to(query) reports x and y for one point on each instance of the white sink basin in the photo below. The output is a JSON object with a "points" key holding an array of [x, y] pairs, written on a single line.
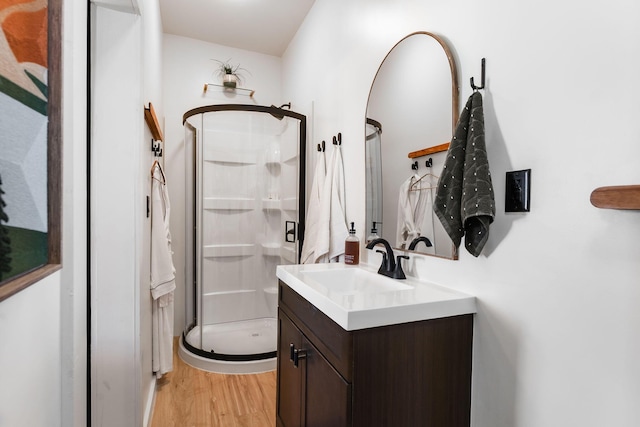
{"points": [[357, 297], [351, 281]]}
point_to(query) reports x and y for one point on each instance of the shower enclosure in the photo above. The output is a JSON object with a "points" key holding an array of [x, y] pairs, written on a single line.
{"points": [[245, 212]]}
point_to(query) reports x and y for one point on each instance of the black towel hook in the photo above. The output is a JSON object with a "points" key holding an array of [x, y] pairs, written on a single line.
{"points": [[414, 165], [473, 86], [156, 149]]}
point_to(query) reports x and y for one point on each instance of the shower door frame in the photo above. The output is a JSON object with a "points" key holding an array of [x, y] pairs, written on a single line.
{"points": [[302, 143]]}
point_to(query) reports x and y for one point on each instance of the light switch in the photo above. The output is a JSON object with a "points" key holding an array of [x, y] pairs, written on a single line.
{"points": [[518, 191]]}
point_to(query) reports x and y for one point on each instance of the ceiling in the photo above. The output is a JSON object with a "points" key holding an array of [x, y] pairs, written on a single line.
{"points": [[265, 26]]}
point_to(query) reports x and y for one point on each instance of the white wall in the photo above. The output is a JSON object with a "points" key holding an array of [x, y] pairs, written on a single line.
{"points": [[116, 135], [152, 92], [43, 328], [126, 76], [73, 315], [556, 339], [187, 65]]}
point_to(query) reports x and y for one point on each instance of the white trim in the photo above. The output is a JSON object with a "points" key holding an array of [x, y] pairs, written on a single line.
{"points": [[150, 404]]}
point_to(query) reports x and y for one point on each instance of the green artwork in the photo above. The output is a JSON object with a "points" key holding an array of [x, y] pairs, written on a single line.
{"points": [[21, 250], [5, 240], [24, 96]]}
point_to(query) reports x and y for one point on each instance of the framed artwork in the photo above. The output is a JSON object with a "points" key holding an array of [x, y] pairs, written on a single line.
{"points": [[30, 142]]}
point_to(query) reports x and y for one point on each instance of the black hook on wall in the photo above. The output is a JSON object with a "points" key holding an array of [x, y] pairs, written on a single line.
{"points": [[337, 140], [429, 162], [321, 147], [156, 148], [414, 165], [473, 86]]}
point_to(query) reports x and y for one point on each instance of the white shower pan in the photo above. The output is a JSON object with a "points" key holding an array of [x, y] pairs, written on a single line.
{"points": [[233, 338]]}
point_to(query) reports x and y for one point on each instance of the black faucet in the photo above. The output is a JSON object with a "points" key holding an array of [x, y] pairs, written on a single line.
{"points": [[417, 240], [388, 267]]}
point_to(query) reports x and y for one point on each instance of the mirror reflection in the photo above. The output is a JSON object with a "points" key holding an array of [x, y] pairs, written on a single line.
{"points": [[411, 114]]}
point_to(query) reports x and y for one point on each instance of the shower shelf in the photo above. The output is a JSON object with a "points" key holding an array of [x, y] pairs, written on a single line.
{"points": [[227, 156], [219, 203], [239, 90], [234, 292], [291, 159], [271, 249], [220, 251], [271, 204], [288, 204]]}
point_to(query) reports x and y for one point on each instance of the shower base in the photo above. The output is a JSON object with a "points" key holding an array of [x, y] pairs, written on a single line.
{"points": [[243, 347]]}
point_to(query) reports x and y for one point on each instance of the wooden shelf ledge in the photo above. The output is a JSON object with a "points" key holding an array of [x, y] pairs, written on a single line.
{"points": [[616, 197], [152, 122], [430, 150]]}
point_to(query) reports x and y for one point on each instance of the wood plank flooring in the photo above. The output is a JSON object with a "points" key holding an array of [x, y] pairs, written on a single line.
{"points": [[189, 397]]}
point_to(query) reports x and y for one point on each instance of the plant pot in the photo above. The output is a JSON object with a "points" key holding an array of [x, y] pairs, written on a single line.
{"points": [[230, 80]]}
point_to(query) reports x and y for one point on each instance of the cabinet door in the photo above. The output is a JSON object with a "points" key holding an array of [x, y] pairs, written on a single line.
{"points": [[327, 394], [289, 410]]}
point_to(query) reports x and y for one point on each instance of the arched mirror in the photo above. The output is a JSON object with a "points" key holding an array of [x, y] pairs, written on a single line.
{"points": [[411, 114]]}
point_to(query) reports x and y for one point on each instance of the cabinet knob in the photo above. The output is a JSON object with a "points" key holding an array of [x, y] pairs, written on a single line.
{"points": [[297, 355]]}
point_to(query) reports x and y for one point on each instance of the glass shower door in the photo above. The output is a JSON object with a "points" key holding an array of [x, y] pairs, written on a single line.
{"points": [[246, 219]]}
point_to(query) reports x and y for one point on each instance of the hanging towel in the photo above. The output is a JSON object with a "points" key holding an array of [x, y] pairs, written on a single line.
{"points": [[425, 222], [163, 272], [311, 233], [408, 202], [339, 229], [332, 226], [464, 200]]}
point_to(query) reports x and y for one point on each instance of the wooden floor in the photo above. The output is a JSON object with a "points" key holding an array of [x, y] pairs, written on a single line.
{"points": [[189, 397]]}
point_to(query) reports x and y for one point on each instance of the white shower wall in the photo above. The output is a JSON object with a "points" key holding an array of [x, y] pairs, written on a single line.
{"points": [[247, 166]]}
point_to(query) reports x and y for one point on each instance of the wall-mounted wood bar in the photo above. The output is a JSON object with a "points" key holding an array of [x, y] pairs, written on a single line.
{"points": [[430, 150], [616, 197], [152, 122]]}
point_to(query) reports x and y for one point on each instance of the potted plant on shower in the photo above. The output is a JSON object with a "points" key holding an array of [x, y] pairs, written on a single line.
{"points": [[231, 74]]}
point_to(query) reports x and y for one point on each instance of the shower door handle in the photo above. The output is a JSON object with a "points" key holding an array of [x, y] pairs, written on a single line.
{"points": [[289, 231]]}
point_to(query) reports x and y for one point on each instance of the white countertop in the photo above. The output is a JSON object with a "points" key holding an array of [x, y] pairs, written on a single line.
{"points": [[356, 306]]}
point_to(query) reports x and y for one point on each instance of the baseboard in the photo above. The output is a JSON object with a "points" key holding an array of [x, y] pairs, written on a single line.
{"points": [[150, 403]]}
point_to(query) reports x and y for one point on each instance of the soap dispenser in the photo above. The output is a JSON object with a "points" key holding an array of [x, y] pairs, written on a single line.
{"points": [[374, 233], [352, 248]]}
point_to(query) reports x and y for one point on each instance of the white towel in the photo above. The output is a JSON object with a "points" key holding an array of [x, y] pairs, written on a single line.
{"points": [[162, 334], [425, 218], [311, 232], [338, 227], [408, 203], [163, 272], [332, 227]]}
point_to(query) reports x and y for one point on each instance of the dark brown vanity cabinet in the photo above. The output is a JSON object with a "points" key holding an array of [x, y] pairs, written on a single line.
{"points": [[410, 374]]}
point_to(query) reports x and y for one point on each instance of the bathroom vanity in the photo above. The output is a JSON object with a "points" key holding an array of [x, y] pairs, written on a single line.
{"points": [[359, 349]]}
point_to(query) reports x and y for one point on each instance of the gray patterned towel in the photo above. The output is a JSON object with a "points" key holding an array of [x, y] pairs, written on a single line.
{"points": [[464, 199]]}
